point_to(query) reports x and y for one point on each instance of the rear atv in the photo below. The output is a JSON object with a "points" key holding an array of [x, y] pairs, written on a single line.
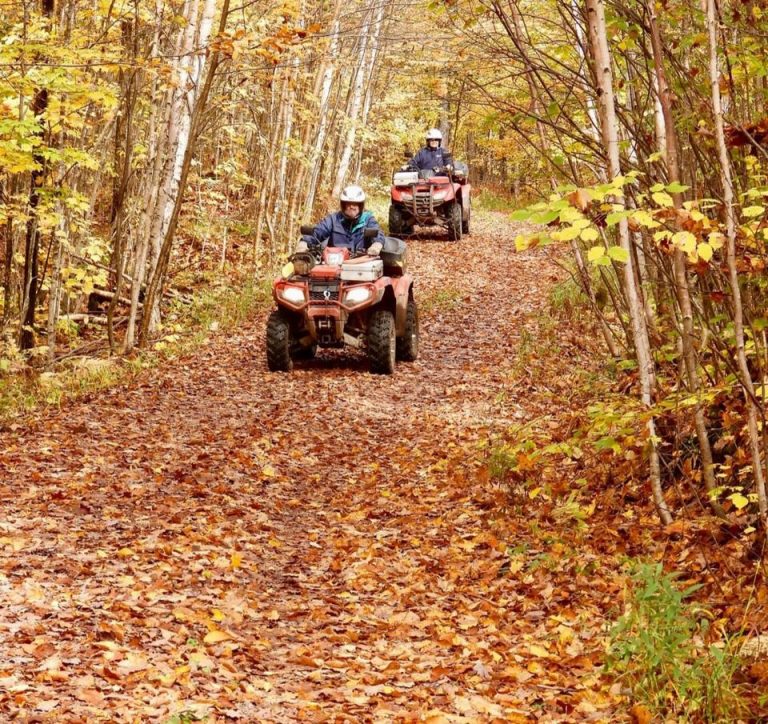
{"points": [[363, 302], [432, 197]]}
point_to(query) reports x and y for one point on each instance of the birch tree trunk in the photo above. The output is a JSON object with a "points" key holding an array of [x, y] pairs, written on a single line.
{"points": [[599, 43], [199, 100], [323, 113], [353, 111]]}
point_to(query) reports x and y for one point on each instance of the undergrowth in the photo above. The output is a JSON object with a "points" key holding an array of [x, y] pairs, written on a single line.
{"points": [[659, 650], [188, 324]]}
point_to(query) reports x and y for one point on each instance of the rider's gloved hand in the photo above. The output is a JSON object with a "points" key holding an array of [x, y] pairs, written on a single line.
{"points": [[374, 249], [405, 166], [302, 246]]}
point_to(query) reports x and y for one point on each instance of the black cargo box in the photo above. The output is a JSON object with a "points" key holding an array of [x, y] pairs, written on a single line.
{"points": [[393, 254]]}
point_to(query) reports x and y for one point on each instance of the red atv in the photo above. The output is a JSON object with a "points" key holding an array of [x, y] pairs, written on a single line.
{"points": [[361, 301], [431, 197]]}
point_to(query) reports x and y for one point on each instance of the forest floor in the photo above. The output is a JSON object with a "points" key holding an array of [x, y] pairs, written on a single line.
{"points": [[217, 541]]}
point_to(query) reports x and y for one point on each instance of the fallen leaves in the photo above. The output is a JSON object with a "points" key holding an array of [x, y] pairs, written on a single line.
{"points": [[321, 544]]}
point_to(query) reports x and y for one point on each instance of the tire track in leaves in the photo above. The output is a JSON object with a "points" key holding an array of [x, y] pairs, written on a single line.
{"points": [[264, 547]]}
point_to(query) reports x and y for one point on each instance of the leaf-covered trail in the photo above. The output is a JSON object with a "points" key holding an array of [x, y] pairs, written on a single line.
{"points": [[267, 547]]}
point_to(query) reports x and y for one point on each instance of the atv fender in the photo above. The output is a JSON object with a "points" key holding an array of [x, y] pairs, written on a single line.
{"points": [[403, 287]]}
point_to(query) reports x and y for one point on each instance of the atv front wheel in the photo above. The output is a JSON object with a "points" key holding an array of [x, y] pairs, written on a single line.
{"points": [[301, 351], [454, 222], [397, 223], [465, 223], [408, 344], [279, 342], [382, 342]]}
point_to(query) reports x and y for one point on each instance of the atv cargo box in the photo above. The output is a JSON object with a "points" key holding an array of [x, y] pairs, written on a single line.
{"points": [[367, 271], [393, 254]]}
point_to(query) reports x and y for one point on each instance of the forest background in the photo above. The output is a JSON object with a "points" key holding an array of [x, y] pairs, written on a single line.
{"points": [[153, 154]]}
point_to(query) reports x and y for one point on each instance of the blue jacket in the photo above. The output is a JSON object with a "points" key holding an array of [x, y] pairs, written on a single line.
{"points": [[432, 157], [337, 230]]}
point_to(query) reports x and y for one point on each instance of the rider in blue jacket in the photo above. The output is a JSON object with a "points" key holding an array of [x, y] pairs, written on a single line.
{"points": [[344, 228], [433, 155]]}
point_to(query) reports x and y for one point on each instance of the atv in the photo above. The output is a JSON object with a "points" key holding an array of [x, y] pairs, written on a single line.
{"points": [[338, 299], [430, 197]]}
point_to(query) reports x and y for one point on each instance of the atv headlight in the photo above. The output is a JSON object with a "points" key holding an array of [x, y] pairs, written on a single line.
{"points": [[357, 295], [294, 295]]}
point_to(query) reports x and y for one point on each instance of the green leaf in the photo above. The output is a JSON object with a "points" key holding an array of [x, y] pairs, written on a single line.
{"points": [[615, 216], [567, 234], [618, 254], [595, 253], [589, 234], [752, 211], [676, 187], [544, 217], [662, 198]]}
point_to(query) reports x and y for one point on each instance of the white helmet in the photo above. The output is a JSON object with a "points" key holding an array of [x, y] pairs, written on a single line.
{"points": [[353, 194], [433, 134]]}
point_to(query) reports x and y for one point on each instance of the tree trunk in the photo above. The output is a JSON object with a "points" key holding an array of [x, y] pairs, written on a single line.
{"points": [[752, 403], [599, 42], [353, 110], [190, 136], [32, 242], [682, 290]]}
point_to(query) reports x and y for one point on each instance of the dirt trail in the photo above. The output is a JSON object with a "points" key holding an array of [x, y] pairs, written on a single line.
{"points": [[221, 540]]}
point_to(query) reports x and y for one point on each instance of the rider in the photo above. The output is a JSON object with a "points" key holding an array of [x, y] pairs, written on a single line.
{"points": [[433, 155], [344, 228]]}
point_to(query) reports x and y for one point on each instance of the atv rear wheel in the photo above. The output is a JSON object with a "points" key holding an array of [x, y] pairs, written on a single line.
{"points": [[408, 344], [396, 221], [382, 342], [279, 342], [454, 222]]}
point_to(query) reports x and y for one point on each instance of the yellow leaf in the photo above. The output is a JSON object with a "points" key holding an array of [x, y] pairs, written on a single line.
{"points": [[704, 251], [539, 651], [268, 471], [534, 493], [685, 241], [217, 615], [236, 559], [125, 553], [216, 636], [589, 234], [739, 501], [521, 243], [287, 270], [716, 240]]}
